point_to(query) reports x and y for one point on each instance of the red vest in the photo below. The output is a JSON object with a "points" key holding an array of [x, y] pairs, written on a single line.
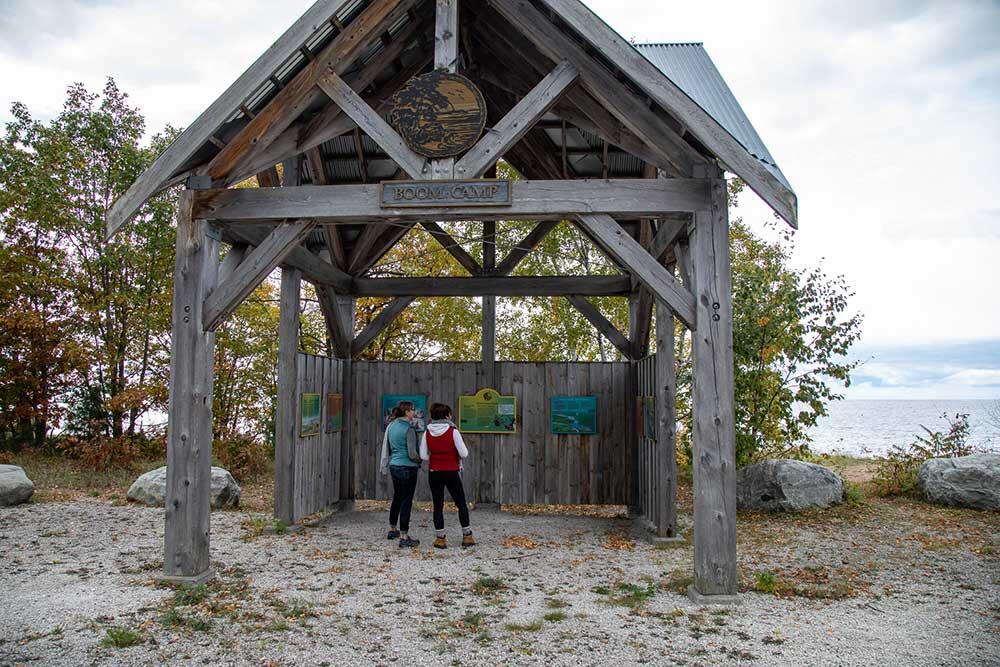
{"points": [[442, 450]]}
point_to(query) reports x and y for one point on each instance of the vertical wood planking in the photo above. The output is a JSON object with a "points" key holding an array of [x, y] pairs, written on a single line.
{"points": [[666, 422]]}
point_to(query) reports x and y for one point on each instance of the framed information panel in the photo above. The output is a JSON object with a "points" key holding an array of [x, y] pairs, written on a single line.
{"points": [[309, 416], [390, 401], [573, 415], [487, 412], [334, 412]]}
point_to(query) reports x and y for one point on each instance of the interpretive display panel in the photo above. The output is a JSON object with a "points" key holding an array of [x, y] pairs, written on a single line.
{"points": [[390, 401], [573, 415], [309, 421], [487, 412]]}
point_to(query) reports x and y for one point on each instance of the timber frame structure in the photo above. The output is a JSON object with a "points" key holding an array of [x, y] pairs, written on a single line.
{"points": [[607, 140]]}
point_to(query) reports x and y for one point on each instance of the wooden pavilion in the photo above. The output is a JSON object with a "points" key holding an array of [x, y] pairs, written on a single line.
{"points": [[608, 139]]}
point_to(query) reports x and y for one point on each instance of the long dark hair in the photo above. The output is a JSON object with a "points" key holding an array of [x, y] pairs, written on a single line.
{"points": [[400, 410]]}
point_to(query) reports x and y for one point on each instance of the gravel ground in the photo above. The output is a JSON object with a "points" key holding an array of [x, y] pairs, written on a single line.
{"points": [[886, 583]]}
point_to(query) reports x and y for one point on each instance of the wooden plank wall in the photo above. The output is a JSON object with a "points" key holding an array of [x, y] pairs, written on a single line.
{"points": [[531, 466], [317, 476], [648, 486]]}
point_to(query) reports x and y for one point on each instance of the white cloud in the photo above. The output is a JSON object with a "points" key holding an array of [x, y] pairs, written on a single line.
{"points": [[976, 377]]}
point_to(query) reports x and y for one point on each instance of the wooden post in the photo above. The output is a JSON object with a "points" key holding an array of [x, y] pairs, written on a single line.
{"points": [[446, 41], [666, 420], [348, 492], [714, 456], [189, 412], [489, 302], [286, 413]]}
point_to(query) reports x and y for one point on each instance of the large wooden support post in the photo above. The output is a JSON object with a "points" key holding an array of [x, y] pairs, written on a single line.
{"points": [[666, 420], [189, 411], [286, 412], [712, 403]]}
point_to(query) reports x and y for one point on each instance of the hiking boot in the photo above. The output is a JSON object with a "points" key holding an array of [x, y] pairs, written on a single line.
{"points": [[440, 543], [408, 542], [393, 535], [468, 541]]}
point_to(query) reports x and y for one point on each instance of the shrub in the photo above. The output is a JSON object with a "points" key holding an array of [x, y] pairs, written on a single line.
{"points": [[896, 472], [242, 456], [103, 453]]}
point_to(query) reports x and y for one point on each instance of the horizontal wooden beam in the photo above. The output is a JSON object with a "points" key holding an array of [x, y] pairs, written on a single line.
{"points": [[602, 324], [633, 257], [494, 286], [532, 200]]}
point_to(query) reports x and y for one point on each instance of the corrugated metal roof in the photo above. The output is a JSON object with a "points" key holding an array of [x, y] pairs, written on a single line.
{"points": [[692, 70]]}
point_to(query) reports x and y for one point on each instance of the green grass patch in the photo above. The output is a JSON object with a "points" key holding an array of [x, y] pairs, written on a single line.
{"points": [[533, 626], [116, 637], [678, 581], [555, 616], [555, 603], [486, 586], [624, 594]]}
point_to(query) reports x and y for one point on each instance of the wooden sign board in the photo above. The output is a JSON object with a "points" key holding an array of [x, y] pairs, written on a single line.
{"points": [[439, 114], [445, 194]]}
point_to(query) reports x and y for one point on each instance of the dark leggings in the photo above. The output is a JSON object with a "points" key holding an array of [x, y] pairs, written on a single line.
{"points": [[439, 480], [404, 483]]}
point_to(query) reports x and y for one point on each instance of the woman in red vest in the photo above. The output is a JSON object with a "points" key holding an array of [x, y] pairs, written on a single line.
{"points": [[442, 446]]}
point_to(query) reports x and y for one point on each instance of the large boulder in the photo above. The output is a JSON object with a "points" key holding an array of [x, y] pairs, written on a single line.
{"points": [[967, 481], [787, 485], [15, 487], [151, 489]]}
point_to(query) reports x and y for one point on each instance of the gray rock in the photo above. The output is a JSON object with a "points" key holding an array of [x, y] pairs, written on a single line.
{"points": [[15, 487], [787, 485], [151, 489], [967, 481]]}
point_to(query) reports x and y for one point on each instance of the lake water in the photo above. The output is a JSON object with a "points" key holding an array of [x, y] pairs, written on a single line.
{"points": [[872, 427]]}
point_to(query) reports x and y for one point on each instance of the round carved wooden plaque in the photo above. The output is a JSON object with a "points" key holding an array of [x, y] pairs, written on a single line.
{"points": [[439, 114]]}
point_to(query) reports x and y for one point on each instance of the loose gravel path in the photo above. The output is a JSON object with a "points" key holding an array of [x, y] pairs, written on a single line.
{"points": [[888, 583]]}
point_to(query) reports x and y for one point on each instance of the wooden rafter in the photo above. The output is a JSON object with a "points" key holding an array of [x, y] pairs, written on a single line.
{"points": [[674, 100], [610, 236], [312, 267], [299, 93], [334, 320], [452, 246], [525, 246], [517, 122], [163, 170], [383, 320], [257, 266], [614, 95], [602, 324], [331, 122], [380, 131]]}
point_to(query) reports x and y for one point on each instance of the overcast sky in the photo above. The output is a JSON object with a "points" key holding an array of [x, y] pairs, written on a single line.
{"points": [[883, 115]]}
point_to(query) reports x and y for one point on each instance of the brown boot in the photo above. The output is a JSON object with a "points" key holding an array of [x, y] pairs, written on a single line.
{"points": [[440, 543], [468, 541]]}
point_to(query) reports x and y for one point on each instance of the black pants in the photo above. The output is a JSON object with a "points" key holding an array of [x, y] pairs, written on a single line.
{"points": [[439, 480], [404, 483]]}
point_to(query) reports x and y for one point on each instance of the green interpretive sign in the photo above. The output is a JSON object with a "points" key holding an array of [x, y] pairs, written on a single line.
{"points": [[487, 412], [573, 415], [309, 422]]}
